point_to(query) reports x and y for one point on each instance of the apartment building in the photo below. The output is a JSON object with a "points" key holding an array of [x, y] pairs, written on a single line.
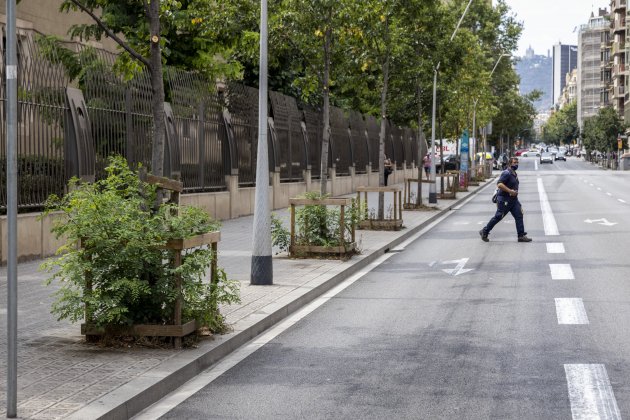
{"points": [[593, 68], [618, 92], [569, 92]]}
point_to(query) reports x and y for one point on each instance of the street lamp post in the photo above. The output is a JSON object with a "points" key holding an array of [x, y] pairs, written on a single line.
{"points": [[432, 189], [261, 264]]}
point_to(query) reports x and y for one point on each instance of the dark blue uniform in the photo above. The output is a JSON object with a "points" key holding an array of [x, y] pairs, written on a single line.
{"points": [[507, 204]]}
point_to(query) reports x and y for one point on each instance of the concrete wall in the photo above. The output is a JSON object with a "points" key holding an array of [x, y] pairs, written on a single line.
{"points": [[36, 241], [44, 16]]}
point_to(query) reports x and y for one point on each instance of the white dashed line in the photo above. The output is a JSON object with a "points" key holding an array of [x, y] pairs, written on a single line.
{"points": [[535, 165], [549, 222], [571, 311], [555, 248], [599, 189], [609, 194], [561, 272], [590, 392], [621, 201]]}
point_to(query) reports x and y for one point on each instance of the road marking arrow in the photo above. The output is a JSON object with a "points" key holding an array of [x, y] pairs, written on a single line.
{"points": [[459, 268], [603, 222]]}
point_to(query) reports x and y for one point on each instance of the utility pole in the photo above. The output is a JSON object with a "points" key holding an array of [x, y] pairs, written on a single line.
{"points": [[262, 266], [11, 80]]}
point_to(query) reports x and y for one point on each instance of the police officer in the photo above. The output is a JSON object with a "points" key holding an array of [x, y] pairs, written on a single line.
{"points": [[507, 202]]}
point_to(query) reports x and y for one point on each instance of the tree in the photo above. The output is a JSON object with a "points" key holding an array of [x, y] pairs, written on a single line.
{"points": [[562, 126], [601, 131]]}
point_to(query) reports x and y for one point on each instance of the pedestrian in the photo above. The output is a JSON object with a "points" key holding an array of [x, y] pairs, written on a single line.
{"points": [[426, 164], [507, 202], [388, 168]]}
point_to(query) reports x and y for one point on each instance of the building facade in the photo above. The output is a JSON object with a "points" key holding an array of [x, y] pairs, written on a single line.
{"points": [[564, 61], [593, 69], [617, 88], [569, 92]]}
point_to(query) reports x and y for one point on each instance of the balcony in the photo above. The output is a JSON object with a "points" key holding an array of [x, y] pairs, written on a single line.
{"points": [[618, 48], [619, 70], [619, 91], [618, 5], [619, 25]]}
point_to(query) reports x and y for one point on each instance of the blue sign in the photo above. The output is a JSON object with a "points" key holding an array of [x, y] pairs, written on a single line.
{"points": [[463, 152]]}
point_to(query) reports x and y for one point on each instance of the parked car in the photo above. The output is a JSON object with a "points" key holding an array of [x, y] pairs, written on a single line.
{"points": [[531, 153], [546, 157], [451, 163], [560, 156]]}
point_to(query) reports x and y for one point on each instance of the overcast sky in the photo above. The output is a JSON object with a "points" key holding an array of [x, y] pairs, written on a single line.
{"points": [[549, 21]]}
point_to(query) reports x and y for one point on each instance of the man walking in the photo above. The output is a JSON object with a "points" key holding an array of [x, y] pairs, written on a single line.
{"points": [[507, 202]]}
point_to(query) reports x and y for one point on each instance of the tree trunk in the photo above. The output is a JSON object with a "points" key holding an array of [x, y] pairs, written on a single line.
{"points": [[326, 109], [381, 139], [157, 85]]}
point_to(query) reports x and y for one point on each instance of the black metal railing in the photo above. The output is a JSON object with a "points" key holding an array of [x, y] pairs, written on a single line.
{"points": [[358, 135], [340, 140], [40, 134]]}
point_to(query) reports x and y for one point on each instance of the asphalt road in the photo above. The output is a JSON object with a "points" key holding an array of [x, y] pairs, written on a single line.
{"points": [[452, 327]]}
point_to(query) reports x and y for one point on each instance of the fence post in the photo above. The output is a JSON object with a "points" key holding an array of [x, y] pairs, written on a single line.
{"points": [[201, 137], [129, 127]]}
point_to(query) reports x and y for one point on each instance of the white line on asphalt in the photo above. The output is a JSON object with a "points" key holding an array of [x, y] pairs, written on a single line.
{"points": [[621, 201], [571, 311], [549, 222], [599, 189], [590, 392], [535, 165], [555, 248], [591, 185], [561, 272], [609, 194]]}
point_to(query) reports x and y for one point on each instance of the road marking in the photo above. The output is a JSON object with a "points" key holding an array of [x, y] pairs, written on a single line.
{"points": [[603, 222], [561, 272], [621, 201], [459, 268], [609, 194], [571, 311], [555, 248], [590, 392], [599, 189], [591, 185], [549, 222], [535, 165]]}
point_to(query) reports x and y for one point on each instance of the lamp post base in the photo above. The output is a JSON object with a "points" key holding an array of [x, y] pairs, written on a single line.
{"points": [[432, 198], [262, 271]]}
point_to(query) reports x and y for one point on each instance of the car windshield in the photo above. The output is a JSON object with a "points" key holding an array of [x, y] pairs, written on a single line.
{"points": [[545, 154]]}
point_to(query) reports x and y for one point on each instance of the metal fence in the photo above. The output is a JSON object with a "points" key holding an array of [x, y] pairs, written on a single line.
{"points": [[217, 132], [340, 141], [40, 132]]}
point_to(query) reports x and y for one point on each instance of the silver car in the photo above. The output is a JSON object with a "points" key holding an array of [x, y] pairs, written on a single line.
{"points": [[546, 157]]}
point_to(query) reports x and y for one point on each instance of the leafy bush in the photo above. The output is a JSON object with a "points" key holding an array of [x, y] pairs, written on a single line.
{"points": [[115, 244]]}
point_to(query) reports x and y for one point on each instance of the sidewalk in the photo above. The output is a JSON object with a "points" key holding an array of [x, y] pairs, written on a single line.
{"points": [[60, 376]]}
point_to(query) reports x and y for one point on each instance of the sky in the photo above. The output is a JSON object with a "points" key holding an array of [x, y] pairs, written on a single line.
{"points": [[548, 21]]}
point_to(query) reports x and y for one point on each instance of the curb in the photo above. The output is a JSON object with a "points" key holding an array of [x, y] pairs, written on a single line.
{"points": [[140, 393]]}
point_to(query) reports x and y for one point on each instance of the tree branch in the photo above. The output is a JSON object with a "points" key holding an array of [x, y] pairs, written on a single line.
{"points": [[111, 34]]}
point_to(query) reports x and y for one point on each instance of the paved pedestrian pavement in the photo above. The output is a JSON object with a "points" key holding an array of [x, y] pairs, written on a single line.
{"points": [[62, 376]]}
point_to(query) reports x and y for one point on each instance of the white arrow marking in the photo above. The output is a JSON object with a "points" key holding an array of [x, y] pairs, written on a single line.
{"points": [[603, 222], [459, 268]]}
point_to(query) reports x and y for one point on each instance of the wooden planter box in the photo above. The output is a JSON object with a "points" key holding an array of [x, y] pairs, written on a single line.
{"points": [[178, 246], [349, 248], [394, 223], [345, 250], [448, 185], [142, 330], [410, 204]]}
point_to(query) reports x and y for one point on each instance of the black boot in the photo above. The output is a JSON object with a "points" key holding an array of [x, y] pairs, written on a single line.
{"points": [[484, 235]]}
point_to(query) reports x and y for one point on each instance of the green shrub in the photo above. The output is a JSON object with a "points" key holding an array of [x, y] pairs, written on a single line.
{"points": [[115, 241]]}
